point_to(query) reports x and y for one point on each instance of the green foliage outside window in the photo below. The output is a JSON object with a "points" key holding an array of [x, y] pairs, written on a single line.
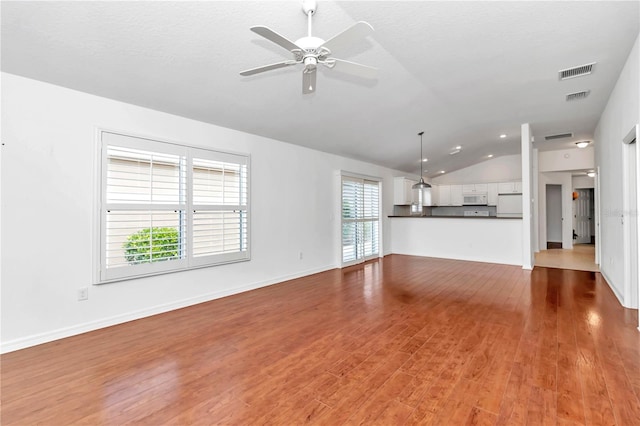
{"points": [[151, 245]]}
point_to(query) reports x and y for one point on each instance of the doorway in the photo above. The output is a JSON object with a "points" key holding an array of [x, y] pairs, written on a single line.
{"points": [[554, 216], [556, 212], [583, 216]]}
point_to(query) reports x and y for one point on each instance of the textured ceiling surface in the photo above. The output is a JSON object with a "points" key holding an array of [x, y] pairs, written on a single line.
{"points": [[464, 72]]}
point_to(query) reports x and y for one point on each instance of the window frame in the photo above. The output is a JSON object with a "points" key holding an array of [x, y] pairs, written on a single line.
{"points": [[362, 179], [106, 138]]}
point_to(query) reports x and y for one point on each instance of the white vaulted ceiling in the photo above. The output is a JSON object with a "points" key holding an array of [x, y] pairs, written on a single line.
{"points": [[464, 72]]}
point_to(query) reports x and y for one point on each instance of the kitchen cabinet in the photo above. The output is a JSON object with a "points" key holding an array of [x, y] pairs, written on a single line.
{"points": [[474, 188], [510, 187], [456, 195], [449, 195], [492, 194], [402, 192], [435, 195], [444, 195]]}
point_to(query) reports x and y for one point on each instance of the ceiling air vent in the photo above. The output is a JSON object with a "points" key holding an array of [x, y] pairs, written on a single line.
{"points": [[558, 136], [576, 71], [578, 95]]}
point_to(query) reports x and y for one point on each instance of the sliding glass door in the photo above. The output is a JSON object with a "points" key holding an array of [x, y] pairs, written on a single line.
{"points": [[360, 219]]}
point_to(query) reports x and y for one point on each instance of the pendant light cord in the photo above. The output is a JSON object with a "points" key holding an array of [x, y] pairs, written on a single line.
{"points": [[421, 157]]}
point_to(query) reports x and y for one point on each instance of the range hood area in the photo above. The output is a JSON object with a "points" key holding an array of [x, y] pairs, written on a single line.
{"points": [[474, 199]]}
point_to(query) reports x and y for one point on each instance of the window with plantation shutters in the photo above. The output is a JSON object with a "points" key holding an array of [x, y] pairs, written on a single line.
{"points": [[167, 207], [360, 219]]}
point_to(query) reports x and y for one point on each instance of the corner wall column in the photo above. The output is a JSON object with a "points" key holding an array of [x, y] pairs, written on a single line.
{"points": [[527, 198]]}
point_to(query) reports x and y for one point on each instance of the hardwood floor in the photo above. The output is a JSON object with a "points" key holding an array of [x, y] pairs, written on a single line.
{"points": [[403, 340], [581, 258]]}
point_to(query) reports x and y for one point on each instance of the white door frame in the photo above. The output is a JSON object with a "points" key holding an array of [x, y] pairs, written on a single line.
{"points": [[556, 178], [630, 213]]}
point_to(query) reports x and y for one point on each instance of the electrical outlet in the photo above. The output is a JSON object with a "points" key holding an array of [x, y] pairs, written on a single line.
{"points": [[83, 293]]}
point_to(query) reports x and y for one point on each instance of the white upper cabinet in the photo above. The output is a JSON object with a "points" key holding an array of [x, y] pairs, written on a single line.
{"points": [[402, 194], [456, 195], [474, 188], [492, 194], [435, 195], [444, 195], [510, 187]]}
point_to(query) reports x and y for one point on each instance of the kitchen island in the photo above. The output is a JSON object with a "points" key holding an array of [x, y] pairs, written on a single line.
{"points": [[481, 239]]}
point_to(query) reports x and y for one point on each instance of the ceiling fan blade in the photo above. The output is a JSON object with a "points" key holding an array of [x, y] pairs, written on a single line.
{"points": [[350, 35], [352, 68], [309, 80], [276, 38], [270, 67]]}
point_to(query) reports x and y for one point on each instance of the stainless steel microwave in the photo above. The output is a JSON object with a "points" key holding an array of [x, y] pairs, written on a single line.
{"points": [[474, 200]]}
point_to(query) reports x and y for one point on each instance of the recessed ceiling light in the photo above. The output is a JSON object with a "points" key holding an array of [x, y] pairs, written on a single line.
{"points": [[424, 160], [490, 155], [582, 144], [502, 136], [441, 171], [591, 174], [458, 147]]}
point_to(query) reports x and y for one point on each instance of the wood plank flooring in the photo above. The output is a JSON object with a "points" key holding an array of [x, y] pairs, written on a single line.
{"points": [[400, 341], [580, 258]]}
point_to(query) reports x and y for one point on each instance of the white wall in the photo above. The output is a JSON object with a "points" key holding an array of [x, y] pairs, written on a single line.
{"points": [[619, 116], [49, 215], [566, 159], [528, 202], [459, 238], [582, 182], [501, 169]]}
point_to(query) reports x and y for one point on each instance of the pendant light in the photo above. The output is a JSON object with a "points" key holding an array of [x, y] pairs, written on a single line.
{"points": [[422, 184]]}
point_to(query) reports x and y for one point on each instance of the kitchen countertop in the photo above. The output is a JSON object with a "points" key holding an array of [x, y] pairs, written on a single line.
{"points": [[456, 217]]}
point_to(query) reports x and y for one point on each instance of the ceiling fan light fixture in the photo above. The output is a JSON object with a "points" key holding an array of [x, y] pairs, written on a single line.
{"points": [[311, 51]]}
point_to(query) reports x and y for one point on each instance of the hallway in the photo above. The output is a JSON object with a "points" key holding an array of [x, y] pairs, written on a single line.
{"points": [[580, 258]]}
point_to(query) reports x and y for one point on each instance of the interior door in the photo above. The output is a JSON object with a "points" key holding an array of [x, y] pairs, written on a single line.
{"points": [[582, 215]]}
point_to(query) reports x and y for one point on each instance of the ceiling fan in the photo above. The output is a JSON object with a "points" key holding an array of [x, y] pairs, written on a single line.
{"points": [[311, 51]]}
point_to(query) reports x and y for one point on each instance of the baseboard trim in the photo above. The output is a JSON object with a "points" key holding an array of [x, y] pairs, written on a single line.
{"points": [[613, 289], [61, 333], [465, 259], [554, 245]]}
